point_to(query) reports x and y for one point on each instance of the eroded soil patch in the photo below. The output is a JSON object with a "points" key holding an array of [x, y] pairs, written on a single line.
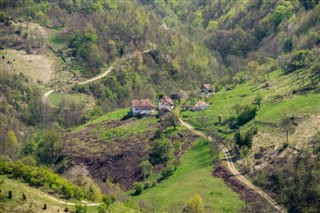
{"points": [[254, 202]]}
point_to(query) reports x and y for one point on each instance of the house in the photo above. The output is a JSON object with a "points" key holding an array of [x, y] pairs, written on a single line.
{"points": [[166, 102], [141, 107], [163, 111], [201, 105], [207, 89]]}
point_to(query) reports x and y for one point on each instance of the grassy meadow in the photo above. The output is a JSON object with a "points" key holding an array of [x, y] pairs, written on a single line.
{"points": [[191, 177], [278, 101]]}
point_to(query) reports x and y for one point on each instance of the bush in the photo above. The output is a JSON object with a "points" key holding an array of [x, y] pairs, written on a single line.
{"points": [[138, 187], [246, 138], [106, 200], [81, 208], [166, 172], [246, 115], [300, 59], [10, 194], [103, 208], [24, 197], [43, 176]]}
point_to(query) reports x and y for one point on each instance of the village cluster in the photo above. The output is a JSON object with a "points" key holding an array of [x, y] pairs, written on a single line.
{"points": [[144, 107]]}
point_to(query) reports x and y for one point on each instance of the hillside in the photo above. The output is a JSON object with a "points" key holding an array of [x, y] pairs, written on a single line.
{"points": [[115, 147], [286, 131], [70, 69], [34, 200]]}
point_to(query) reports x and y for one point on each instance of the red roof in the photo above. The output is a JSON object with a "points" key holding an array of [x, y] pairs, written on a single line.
{"points": [[144, 104], [200, 104], [167, 100], [208, 87]]}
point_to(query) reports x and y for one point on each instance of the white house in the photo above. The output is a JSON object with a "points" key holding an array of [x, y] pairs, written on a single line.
{"points": [[166, 102], [201, 105], [141, 107]]}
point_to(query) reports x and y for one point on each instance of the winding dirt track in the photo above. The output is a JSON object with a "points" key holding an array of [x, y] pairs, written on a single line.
{"points": [[44, 100], [46, 95], [233, 170], [69, 203]]}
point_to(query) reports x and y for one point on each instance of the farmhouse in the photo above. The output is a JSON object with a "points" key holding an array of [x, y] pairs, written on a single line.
{"points": [[141, 107], [207, 89], [201, 105], [163, 111], [166, 102]]}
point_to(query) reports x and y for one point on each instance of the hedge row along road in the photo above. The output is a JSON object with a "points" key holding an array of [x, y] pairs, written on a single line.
{"points": [[233, 170]]}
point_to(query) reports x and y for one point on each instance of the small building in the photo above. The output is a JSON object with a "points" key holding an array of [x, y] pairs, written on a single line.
{"points": [[163, 111], [201, 105], [207, 89], [141, 107], [166, 102]]}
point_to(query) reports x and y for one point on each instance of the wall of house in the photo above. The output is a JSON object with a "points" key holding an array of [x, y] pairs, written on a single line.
{"points": [[168, 107], [135, 111], [146, 111]]}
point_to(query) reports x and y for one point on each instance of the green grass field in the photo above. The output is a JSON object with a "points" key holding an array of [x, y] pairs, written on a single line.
{"points": [[192, 176], [115, 115], [278, 102], [35, 199], [136, 127]]}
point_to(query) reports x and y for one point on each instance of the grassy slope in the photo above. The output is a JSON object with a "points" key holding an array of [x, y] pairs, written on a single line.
{"points": [[37, 67], [36, 199], [115, 115], [192, 176], [272, 110]]}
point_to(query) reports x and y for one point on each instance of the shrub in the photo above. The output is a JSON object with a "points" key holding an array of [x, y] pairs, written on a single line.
{"points": [[247, 114], [246, 138], [138, 187], [24, 197], [106, 200], [103, 208], [10, 194], [166, 172], [194, 205], [81, 208]]}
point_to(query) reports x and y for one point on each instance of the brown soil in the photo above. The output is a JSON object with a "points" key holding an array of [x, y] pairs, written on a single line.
{"points": [[118, 158], [254, 202]]}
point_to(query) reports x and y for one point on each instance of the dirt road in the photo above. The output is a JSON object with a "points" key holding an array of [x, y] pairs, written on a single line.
{"points": [[46, 95], [69, 203], [234, 171]]}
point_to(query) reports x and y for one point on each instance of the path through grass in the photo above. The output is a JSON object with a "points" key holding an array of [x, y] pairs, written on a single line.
{"points": [[192, 176]]}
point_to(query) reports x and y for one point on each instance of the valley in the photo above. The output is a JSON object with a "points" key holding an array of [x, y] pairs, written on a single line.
{"points": [[159, 106]]}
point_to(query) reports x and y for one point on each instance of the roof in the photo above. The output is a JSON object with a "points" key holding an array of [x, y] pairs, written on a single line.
{"points": [[163, 110], [200, 104], [208, 87], [167, 100], [144, 104]]}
